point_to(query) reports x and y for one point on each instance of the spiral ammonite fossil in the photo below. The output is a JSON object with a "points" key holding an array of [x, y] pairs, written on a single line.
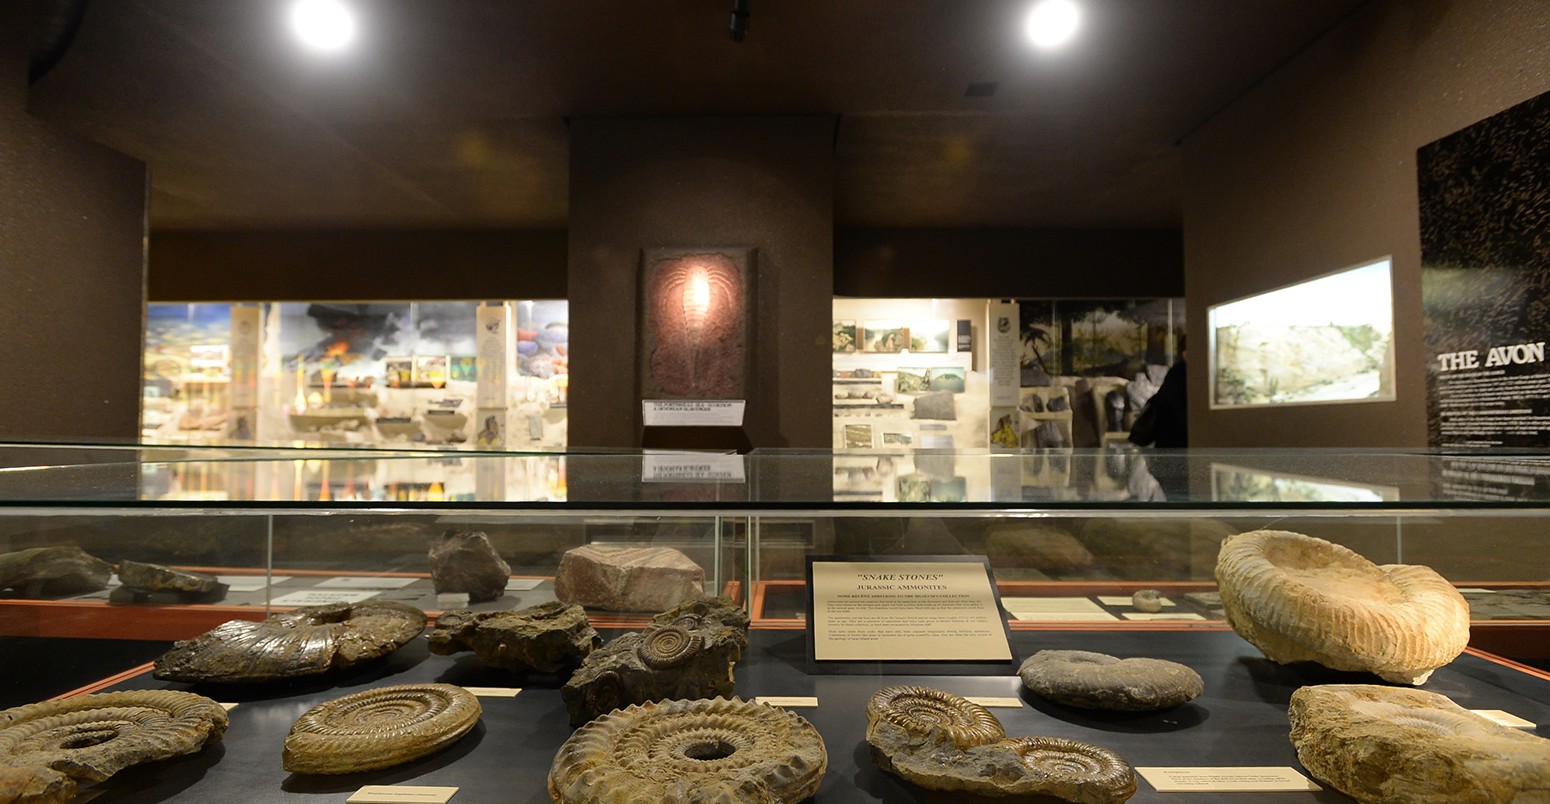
{"points": [[1076, 771], [1298, 598], [682, 751], [379, 728], [927, 712], [667, 646], [45, 746]]}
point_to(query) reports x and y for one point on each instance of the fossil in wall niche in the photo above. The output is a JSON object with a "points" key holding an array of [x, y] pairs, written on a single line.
{"points": [[1098, 681], [690, 751], [306, 641], [687, 652], [45, 747], [379, 728], [1298, 598], [940, 741], [1392, 745]]}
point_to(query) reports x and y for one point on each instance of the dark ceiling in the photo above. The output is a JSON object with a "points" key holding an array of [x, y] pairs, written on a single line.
{"points": [[452, 112]]}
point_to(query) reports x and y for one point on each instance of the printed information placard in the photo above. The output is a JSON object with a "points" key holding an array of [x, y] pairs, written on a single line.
{"points": [[1227, 780], [692, 412], [905, 611]]}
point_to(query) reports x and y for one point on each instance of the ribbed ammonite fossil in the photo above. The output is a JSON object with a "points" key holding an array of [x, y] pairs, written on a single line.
{"points": [[306, 641], [665, 646], [690, 751], [1405, 746], [1298, 598], [379, 728], [934, 715], [45, 747], [942, 742]]}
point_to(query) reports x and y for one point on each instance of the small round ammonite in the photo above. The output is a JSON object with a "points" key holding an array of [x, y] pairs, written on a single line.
{"points": [[667, 646], [1076, 771], [379, 728], [92, 737], [928, 712], [690, 751]]}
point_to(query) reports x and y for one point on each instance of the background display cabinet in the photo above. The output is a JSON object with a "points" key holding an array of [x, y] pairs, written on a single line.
{"points": [[1064, 539]]}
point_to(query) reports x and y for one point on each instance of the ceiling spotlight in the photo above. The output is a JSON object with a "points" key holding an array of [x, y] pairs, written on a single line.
{"points": [[1053, 22], [323, 24]]}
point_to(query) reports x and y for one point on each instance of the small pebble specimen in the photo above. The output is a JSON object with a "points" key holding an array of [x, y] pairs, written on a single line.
{"points": [[464, 561]]}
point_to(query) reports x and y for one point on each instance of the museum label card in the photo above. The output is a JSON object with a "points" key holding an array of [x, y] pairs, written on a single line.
{"points": [[680, 467], [366, 582], [1501, 718], [494, 692], [228, 706], [1056, 609], [906, 611], [250, 583], [994, 702], [523, 584], [692, 412], [1160, 615], [320, 597], [401, 794], [787, 700], [1126, 600], [1228, 780]]}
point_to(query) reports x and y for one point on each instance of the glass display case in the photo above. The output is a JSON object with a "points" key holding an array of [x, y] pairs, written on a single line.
{"points": [[1067, 538]]}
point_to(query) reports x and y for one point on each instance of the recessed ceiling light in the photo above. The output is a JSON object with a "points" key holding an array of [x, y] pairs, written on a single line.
{"points": [[1052, 23], [323, 24]]}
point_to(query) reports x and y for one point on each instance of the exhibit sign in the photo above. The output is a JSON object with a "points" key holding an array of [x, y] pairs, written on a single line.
{"points": [[1485, 275], [1004, 355], [492, 346], [693, 412], [905, 609]]}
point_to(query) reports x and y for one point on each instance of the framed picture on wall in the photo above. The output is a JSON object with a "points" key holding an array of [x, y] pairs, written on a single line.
{"points": [[912, 380], [885, 336], [858, 436], [930, 336], [947, 378]]}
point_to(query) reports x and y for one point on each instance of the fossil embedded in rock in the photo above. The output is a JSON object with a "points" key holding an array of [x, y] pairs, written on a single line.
{"points": [[1099, 681], [546, 638], [45, 747], [1298, 598], [40, 571], [141, 576], [307, 641], [687, 652], [942, 742], [627, 578], [379, 728], [1404, 746], [467, 562], [690, 751]]}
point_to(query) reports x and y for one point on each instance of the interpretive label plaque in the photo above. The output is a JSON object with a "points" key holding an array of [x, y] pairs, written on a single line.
{"points": [[401, 794], [905, 611], [692, 412], [1227, 780]]}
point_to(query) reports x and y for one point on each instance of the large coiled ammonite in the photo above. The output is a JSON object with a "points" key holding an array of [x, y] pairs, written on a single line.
{"points": [[1298, 598], [935, 715], [665, 646], [690, 751], [942, 742], [45, 747], [379, 728]]}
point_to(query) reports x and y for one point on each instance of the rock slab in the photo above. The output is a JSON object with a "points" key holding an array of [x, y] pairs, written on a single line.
{"points": [[633, 579], [465, 561], [545, 638], [144, 577], [41, 571], [1099, 681], [1390, 745]]}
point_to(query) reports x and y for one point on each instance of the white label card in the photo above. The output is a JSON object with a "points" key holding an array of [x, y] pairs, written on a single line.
{"points": [[990, 701], [680, 467], [229, 706], [401, 794], [692, 412], [1161, 615], [523, 584], [1063, 616], [366, 582], [1501, 718], [494, 692], [1051, 605], [320, 597], [1227, 780], [250, 583], [1126, 600], [786, 700]]}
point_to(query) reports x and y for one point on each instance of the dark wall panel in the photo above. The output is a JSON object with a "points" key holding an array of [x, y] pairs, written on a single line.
{"points": [[763, 182], [1008, 263], [72, 262], [1315, 170], [357, 265]]}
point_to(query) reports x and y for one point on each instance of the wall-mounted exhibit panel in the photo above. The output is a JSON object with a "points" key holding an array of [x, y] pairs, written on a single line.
{"points": [[437, 374], [1261, 578]]}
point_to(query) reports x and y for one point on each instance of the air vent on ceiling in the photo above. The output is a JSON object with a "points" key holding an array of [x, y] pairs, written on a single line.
{"points": [[981, 89]]}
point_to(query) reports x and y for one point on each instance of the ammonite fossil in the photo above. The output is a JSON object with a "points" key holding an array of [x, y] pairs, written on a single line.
{"points": [[683, 751], [1298, 598], [934, 715], [45, 747], [942, 742], [667, 646], [379, 728], [1404, 746], [307, 641], [1098, 681]]}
